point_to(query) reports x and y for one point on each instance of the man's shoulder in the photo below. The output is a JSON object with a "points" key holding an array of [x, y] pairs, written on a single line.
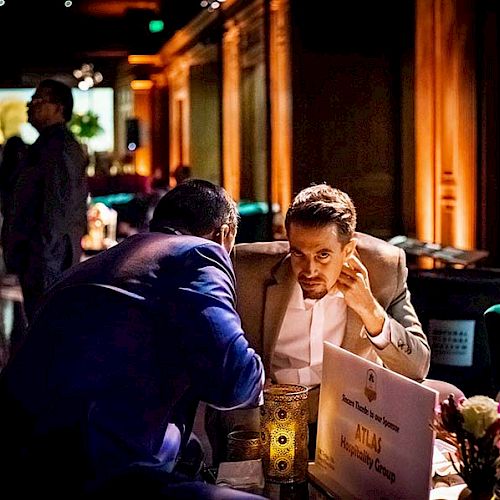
{"points": [[173, 244], [271, 248], [375, 251], [149, 252], [270, 251], [372, 244], [259, 260]]}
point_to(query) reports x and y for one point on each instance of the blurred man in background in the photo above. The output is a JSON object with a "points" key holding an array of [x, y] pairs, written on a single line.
{"points": [[47, 205]]}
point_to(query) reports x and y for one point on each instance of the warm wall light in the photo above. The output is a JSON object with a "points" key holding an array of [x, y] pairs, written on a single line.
{"points": [[141, 84], [284, 418], [152, 59], [445, 123], [116, 7]]}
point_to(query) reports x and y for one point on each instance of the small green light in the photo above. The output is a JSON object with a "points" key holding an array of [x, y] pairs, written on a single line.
{"points": [[156, 25]]}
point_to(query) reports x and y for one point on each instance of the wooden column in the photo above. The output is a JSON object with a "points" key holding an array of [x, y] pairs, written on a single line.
{"points": [[179, 113], [445, 122], [281, 104], [142, 111], [231, 110], [160, 131]]}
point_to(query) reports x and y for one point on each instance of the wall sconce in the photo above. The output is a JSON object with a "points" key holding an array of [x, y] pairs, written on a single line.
{"points": [[148, 59], [141, 84], [284, 419]]}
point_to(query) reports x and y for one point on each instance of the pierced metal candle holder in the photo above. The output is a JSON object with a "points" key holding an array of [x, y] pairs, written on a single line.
{"points": [[284, 419]]}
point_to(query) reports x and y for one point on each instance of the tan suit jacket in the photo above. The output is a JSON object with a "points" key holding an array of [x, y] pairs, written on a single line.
{"points": [[265, 283]]}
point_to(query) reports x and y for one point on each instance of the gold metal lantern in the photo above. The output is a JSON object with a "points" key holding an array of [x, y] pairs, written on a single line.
{"points": [[284, 419]]}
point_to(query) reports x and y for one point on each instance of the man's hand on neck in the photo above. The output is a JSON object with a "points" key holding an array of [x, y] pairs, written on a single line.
{"points": [[354, 283]]}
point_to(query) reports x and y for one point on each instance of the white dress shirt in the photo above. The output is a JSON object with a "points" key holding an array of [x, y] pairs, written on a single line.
{"points": [[298, 357]]}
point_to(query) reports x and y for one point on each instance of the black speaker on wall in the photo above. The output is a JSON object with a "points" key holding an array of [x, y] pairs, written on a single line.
{"points": [[133, 139]]}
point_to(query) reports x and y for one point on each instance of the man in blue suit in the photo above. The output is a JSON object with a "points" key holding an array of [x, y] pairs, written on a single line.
{"points": [[101, 397]]}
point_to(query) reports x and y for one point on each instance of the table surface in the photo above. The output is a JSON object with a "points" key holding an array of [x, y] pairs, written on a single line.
{"points": [[307, 490], [311, 490], [445, 488]]}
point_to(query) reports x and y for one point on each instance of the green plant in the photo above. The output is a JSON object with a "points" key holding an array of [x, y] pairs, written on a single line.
{"points": [[85, 125]]}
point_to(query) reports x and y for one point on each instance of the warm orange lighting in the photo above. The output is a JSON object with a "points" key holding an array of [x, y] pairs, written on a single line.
{"points": [[179, 113], [142, 161], [116, 7], [151, 59], [281, 104], [425, 168], [445, 123], [142, 110], [141, 84], [231, 110]]}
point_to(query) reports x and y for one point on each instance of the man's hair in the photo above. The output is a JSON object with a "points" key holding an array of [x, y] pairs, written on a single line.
{"points": [[195, 206], [182, 173], [60, 93], [320, 205]]}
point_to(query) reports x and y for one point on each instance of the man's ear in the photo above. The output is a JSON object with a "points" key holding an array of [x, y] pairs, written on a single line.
{"points": [[228, 237], [222, 234], [349, 248]]}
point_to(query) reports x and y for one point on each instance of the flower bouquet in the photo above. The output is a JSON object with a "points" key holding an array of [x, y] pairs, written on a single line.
{"points": [[472, 425]]}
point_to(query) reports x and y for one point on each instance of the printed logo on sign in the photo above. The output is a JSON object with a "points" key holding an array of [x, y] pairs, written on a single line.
{"points": [[371, 385]]}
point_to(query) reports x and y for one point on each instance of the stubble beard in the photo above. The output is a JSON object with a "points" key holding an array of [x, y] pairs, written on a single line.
{"points": [[315, 294]]}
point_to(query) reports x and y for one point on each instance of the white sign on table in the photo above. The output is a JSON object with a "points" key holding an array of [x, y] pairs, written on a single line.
{"points": [[374, 436]]}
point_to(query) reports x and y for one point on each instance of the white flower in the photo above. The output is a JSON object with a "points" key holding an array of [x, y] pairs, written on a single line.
{"points": [[479, 413]]}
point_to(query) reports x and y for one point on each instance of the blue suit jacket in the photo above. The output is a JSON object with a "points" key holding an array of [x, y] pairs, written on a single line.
{"points": [[119, 355]]}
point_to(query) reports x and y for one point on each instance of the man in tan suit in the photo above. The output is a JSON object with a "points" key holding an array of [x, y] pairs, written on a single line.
{"points": [[326, 283], [266, 283]]}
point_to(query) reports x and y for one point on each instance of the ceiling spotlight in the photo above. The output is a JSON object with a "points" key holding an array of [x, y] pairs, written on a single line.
{"points": [[211, 5], [68, 3], [2, 3]]}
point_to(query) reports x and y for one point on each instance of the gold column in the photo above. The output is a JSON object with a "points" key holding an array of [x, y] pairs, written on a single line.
{"points": [[445, 123], [281, 103], [160, 149], [178, 78], [142, 110], [231, 148], [424, 120]]}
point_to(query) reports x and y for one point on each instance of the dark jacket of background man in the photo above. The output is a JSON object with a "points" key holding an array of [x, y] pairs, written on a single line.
{"points": [[118, 357], [47, 209], [13, 157]]}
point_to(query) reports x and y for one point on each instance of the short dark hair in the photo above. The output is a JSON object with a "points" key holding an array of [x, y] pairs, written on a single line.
{"points": [[195, 206], [320, 205], [182, 173], [60, 93]]}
